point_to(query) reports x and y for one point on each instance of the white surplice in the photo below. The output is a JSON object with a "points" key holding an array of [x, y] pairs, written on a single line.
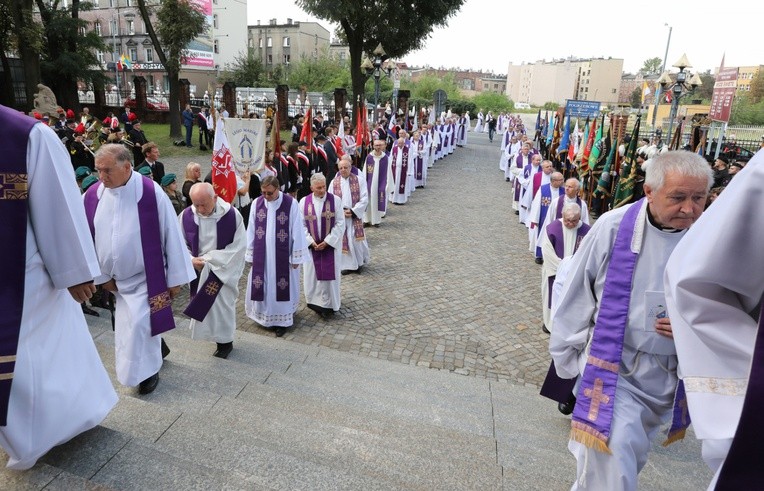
{"points": [[373, 215], [534, 215], [60, 387], [418, 153], [220, 323], [552, 263], [358, 254], [324, 293], [479, 124], [526, 192], [120, 256], [551, 212], [269, 312], [714, 286], [395, 195], [647, 377]]}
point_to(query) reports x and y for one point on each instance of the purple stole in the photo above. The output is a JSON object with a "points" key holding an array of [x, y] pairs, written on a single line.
{"points": [[419, 161], [440, 140], [742, 468], [14, 193], [560, 203], [527, 173], [323, 261], [520, 165], [462, 127], [554, 232], [593, 414], [546, 200], [453, 133], [355, 196], [404, 166], [382, 183], [203, 298], [160, 304], [282, 250]]}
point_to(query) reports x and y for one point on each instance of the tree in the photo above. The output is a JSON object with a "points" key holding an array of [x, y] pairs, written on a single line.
{"points": [[399, 28], [705, 91], [494, 102], [28, 41], [745, 111], [178, 23], [636, 98], [757, 87], [322, 74], [652, 66], [246, 71]]}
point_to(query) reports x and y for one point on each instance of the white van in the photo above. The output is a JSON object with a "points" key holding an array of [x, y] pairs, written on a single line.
{"points": [[522, 105]]}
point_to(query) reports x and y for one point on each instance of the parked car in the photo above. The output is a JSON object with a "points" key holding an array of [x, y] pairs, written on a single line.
{"points": [[152, 104]]}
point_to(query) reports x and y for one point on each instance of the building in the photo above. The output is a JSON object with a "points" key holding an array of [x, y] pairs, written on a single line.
{"points": [[631, 82], [279, 45], [120, 25], [744, 76], [469, 82], [340, 51], [594, 79]]}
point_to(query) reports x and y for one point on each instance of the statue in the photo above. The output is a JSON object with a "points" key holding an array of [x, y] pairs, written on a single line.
{"points": [[45, 102]]}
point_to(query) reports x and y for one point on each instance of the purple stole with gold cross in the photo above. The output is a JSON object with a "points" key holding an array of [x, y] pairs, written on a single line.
{"points": [[419, 161], [546, 200], [355, 196], [14, 193], [282, 250], [404, 165], [203, 298], [323, 261], [593, 414], [382, 184], [160, 304]]}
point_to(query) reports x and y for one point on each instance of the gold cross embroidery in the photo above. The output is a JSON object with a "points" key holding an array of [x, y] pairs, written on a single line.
{"points": [[212, 288], [159, 302], [597, 398], [282, 218], [282, 235], [310, 216], [283, 283], [261, 215], [13, 186], [259, 232], [258, 282]]}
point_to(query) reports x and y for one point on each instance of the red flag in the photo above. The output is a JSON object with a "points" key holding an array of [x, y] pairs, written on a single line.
{"points": [[276, 136], [337, 139], [588, 148], [358, 128], [223, 175], [306, 134]]}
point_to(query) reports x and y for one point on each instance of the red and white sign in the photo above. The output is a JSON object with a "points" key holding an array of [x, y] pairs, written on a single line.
{"points": [[724, 94]]}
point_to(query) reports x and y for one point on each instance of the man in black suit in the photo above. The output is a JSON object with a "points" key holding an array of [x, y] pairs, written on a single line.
{"points": [[150, 159], [331, 154], [138, 138]]}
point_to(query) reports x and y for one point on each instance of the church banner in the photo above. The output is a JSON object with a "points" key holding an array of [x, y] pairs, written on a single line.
{"points": [[246, 138]]}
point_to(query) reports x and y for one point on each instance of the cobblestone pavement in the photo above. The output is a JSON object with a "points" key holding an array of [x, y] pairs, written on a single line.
{"points": [[451, 284]]}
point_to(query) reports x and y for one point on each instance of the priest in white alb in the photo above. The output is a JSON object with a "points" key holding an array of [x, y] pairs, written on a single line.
{"points": [[352, 191], [401, 163], [216, 240], [276, 248], [379, 181], [324, 229], [540, 207], [53, 385]]}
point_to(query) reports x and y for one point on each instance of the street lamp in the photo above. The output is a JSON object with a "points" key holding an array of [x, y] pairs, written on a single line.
{"points": [[376, 68], [680, 88]]}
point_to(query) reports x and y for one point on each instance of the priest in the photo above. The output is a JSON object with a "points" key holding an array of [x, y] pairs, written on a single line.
{"points": [[418, 146], [612, 327], [401, 163], [540, 207], [53, 385], [378, 183], [352, 191], [324, 229], [216, 241], [276, 248], [143, 262], [516, 173]]}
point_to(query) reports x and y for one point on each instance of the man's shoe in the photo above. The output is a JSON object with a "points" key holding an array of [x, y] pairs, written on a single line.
{"points": [[165, 349], [566, 408], [148, 385], [517, 212], [280, 331], [345, 272], [543, 328], [539, 260], [506, 179], [314, 308], [224, 349], [87, 310]]}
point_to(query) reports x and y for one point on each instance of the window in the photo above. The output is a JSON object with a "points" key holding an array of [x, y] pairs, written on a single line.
{"points": [[131, 27], [113, 3], [216, 46], [82, 31], [269, 42], [100, 57], [485, 86], [133, 54], [251, 43], [143, 26], [287, 59], [260, 43], [286, 42], [113, 28], [269, 60], [129, 3], [496, 86], [612, 91], [342, 55], [215, 21], [98, 28], [149, 55]]}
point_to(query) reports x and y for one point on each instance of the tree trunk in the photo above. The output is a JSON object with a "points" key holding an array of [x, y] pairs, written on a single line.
{"points": [[174, 104], [22, 18], [357, 77]]}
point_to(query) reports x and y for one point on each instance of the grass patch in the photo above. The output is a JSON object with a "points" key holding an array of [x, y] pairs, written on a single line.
{"points": [[160, 134]]}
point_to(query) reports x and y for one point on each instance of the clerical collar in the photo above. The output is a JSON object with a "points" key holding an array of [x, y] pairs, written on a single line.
{"points": [[655, 224]]}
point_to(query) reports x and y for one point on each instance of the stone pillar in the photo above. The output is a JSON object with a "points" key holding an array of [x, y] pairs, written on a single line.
{"points": [[184, 96], [403, 104], [99, 98], [229, 99], [282, 103], [340, 99], [140, 95]]}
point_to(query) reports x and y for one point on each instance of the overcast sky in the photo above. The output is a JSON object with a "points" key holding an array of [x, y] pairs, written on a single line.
{"points": [[489, 34]]}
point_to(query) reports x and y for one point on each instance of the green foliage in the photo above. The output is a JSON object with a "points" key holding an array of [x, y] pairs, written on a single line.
{"points": [[245, 71], [756, 93], [636, 98], [550, 106], [745, 111], [705, 91], [652, 66], [460, 106], [491, 101], [322, 74], [425, 87], [178, 23]]}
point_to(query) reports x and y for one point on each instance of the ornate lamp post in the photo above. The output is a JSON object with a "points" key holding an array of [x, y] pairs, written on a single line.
{"points": [[380, 65], [684, 85]]}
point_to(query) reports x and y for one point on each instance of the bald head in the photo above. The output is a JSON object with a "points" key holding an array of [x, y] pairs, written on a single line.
{"points": [[571, 187], [556, 179], [202, 195]]}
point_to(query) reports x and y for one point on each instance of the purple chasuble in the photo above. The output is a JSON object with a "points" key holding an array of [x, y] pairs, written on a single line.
{"points": [[593, 414], [404, 166], [14, 193], [323, 261], [382, 184], [160, 304], [355, 197], [283, 243], [203, 298], [561, 202], [742, 467], [546, 200]]}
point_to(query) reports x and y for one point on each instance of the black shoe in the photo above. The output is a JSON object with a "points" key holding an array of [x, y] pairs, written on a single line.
{"points": [[165, 349], [314, 308], [345, 272], [87, 310], [539, 260], [224, 349], [280, 331], [543, 328], [506, 179], [566, 408], [517, 212], [148, 385], [376, 225]]}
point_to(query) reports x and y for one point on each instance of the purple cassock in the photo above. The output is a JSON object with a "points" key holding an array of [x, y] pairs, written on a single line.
{"points": [[404, 165]]}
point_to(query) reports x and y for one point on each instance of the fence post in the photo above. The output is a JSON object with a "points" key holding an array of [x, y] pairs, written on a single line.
{"points": [[229, 99]]}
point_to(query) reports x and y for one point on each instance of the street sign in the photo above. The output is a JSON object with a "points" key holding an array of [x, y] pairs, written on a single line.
{"points": [[724, 93], [582, 109]]}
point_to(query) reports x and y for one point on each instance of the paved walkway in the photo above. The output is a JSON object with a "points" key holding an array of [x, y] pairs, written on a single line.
{"points": [[450, 285]]}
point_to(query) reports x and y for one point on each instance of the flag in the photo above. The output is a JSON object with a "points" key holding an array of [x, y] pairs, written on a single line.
{"points": [[431, 118], [391, 127], [550, 130], [223, 175], [358, 127], [306, 135], [338, 138], [545, 129], [276, 136], [126, 63], [625, 190], [603, 185], [591, 133], [668, 96], [596, 148], [645, 91], [582, 145], [565, 141], [538, 120], [573, 147]]}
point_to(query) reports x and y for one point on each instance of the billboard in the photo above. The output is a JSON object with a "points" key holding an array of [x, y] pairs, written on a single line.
{"points": [[200, 51], [724, 93], [582, 109]]}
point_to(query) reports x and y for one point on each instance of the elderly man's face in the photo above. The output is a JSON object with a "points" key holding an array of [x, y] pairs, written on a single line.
{"points": [[204, 203], [679, 202], [113, 174], [546, 167], [571, 189], [318, 188], [570, 220], [270, 193], [344, 168]]}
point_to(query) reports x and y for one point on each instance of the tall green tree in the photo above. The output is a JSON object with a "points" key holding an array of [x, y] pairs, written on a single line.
{"points": [[757, 87], [400, 28], [322, 74], [492, 101], [178, 23], [636, 98], [246, 71], [652, 66]]}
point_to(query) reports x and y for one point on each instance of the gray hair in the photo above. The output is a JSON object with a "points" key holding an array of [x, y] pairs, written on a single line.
{"points": [[318, 177], [118, 152], [200, 187], [571, 208], [682, 162], [272, 181], [346, 158]]}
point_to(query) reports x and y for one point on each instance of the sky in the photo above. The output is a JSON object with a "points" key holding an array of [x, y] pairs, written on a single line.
{"points": [[489, 34]]}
